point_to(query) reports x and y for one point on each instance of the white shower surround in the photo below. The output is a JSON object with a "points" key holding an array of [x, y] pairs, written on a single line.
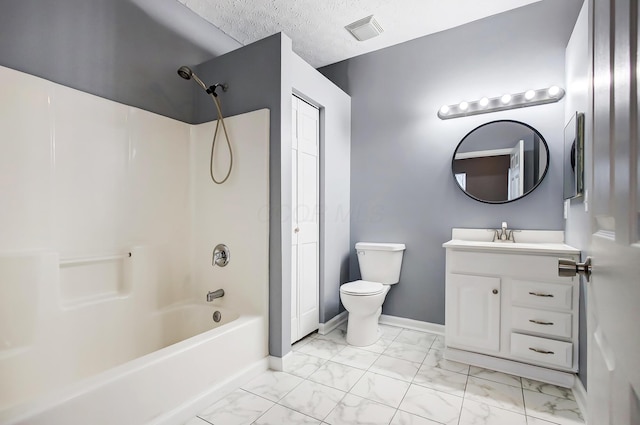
{"points": [[83, 177]]}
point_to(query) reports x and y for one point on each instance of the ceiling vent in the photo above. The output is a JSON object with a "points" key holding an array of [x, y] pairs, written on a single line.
{"points": [[365, 28]]}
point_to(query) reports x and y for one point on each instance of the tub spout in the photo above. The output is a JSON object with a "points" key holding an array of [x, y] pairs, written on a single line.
{"points": [[215, 294]]}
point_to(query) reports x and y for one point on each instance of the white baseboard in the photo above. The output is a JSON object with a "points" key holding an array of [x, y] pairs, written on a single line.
{"points": [[412, 324], [279, 363], [337, 320], [191, 408], [580, 394]]}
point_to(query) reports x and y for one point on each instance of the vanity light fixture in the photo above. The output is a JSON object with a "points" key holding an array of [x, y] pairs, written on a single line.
{"points": [[501, 103], [554, 90]]}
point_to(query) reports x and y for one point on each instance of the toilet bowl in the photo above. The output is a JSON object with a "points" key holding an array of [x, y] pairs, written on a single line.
{"points": [[363, 300], [380, 265]]}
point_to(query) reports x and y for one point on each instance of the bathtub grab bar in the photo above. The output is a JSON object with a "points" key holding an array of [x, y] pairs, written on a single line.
{"points": [[88, 260]]}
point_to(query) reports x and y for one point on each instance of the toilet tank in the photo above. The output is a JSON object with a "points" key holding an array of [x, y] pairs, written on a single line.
{"points": [[380, 262]]}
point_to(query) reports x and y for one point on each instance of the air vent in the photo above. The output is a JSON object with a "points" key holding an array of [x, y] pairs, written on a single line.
{"points": [[365, 28]]}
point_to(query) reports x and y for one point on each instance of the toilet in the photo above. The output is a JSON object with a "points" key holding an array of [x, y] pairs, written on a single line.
{"points": [[380, 268]]}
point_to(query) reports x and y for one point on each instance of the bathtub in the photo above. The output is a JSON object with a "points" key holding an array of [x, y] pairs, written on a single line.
{"points": [[201, 361], [98, 263]]}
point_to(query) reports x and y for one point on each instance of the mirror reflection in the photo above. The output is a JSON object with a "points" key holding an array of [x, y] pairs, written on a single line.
{"points": [[500, 161]]}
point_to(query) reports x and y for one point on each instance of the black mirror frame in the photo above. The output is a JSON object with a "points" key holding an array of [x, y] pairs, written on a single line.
{"points": [[544, 174]]}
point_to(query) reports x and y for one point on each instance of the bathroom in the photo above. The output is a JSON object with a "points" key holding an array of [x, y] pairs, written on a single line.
{"points": [[141, 191]]}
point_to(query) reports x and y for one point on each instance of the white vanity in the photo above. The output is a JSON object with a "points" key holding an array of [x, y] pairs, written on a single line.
{"points": [[506, 307]]}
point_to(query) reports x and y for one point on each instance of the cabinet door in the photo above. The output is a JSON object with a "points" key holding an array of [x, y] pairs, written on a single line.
{"points": [[473, 312]]}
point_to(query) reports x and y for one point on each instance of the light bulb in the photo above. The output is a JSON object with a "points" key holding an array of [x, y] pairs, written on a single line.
{"points": [[484, 102], [463, 106], [554, 90], [530, 94], [444, 109], [506, 98]]}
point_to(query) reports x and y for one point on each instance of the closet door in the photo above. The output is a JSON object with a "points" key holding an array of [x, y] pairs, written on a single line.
{"points": [[305, 218]]}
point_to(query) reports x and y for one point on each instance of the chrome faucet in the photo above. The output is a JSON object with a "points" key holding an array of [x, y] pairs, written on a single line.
{"points": [[215, 294], [503, 234]]}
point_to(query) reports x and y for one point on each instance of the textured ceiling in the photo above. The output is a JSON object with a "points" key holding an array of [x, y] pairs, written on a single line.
{"points": [[317, 26]]}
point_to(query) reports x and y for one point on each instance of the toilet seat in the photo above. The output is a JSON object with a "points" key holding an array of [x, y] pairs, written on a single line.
{"points": [[362, 288]]}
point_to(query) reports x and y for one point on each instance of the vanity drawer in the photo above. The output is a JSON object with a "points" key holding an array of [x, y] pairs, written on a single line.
{"points": [[538, 267], [542, 294], [550, 323], [542, 350]]}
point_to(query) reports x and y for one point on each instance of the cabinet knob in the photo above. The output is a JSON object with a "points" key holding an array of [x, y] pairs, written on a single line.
{"points": [[495, 291]]}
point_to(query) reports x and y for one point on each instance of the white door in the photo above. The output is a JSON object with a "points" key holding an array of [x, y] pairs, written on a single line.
{"points": [[305, 213], [516, 171], [613, 311], [473, 312]]}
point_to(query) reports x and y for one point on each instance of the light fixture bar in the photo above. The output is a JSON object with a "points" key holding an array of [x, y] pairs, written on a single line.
{"points": [[501, 103]]}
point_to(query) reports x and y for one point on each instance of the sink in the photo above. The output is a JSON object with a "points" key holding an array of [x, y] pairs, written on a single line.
{"points": [[549, 241]]}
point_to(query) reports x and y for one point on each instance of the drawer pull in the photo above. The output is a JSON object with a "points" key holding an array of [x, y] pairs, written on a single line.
{"points": [[540, 294], [537, 350], [540, 322]]}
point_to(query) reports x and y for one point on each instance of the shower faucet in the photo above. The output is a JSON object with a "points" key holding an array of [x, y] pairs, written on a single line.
{"points": [[221, 255], [215, 294]]}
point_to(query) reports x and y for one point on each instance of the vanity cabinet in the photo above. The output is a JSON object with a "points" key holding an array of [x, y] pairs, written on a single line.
{"points": [[508, 310]]}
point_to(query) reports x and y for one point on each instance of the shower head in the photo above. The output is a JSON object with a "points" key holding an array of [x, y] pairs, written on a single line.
{"points": [[186, 73]]}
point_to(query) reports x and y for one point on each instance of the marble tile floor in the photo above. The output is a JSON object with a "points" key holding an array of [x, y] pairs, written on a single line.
{"points": [[400, 380]]}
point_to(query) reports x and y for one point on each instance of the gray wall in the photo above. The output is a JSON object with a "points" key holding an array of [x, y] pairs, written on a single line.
{"points": [[125, 50], [402, 189], [264, 75], [578, 224]]}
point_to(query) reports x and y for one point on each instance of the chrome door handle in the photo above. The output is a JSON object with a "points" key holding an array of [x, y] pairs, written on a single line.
{"points": [[571, 268]]}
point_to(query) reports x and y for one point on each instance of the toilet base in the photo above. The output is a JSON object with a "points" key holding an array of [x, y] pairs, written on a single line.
{"points": [[363, 330]]}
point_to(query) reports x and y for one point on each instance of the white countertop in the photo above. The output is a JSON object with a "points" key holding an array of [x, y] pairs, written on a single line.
{"points": [[536, 241], [513, 247]]}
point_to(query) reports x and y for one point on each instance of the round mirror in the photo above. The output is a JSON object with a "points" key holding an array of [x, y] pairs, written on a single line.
{"points": [[500, 161]]}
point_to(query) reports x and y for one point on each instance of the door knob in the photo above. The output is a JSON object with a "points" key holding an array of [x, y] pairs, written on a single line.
{"points": [[571, 268], [296, 230]]}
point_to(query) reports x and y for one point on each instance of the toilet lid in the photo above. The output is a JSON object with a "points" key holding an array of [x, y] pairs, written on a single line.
{"points": [[362, 287]]}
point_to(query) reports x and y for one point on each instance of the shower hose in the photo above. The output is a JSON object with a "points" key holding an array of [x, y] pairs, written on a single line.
{"points": [[213, 143]]}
